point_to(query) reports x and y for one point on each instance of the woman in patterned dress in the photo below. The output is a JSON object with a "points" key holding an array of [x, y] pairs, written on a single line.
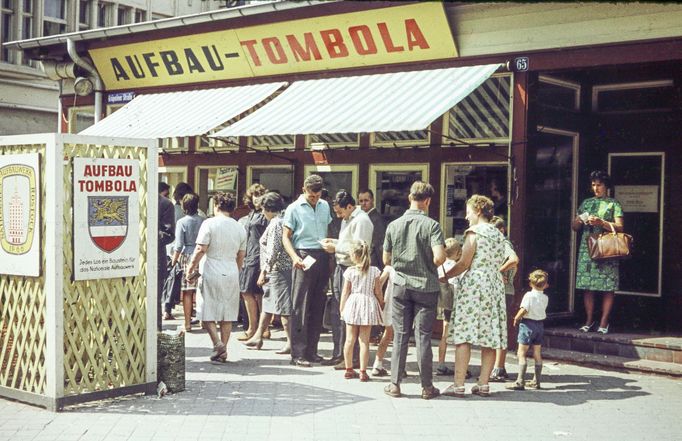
{"points": [[275, 273], [595, 215], [480, 316]]}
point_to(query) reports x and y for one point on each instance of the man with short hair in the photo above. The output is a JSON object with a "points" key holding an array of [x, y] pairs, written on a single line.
{"points": [[305, 226], [366, 202], [415, 247], [355, 225]]}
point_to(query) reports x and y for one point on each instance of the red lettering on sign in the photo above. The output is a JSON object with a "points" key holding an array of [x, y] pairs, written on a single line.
{"points": [[362, 40], [275, 58], [333, 41], [310, 47], [414, 35], [388, 41], [250, 47]]}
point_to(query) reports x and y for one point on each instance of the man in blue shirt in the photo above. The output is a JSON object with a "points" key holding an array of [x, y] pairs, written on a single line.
{"points": [[305, 226]]}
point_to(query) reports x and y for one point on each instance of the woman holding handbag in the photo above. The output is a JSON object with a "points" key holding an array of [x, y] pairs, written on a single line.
{"points": [[595, 215]]}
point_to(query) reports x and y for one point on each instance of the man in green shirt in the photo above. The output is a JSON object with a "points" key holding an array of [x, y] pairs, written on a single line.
{"points": [[415, 247]]}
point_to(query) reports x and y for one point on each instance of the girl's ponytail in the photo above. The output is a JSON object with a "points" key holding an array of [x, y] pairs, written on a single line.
{"points": [[360, 254]]}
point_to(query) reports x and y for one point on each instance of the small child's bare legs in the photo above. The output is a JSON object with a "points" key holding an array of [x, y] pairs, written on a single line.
{"points": [[537, 356], [365, 331], [351, 336], [523, 364]]}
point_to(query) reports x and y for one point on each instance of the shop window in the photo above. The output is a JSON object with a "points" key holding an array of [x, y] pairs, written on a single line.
{"points": [[278, 142], [54, 17], [172, 176], [484, 115], [336, 177], [210, 180], [84, 14], [463, 180], [405, 138], [335, 140], [80, 118], [645, 96], [557, 93], [551, 204], [278, 178], [178, 143], [391, 185], [6, 28]]}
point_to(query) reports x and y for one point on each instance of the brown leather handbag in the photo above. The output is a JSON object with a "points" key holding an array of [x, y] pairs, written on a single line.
{"points": [[609, 245]]}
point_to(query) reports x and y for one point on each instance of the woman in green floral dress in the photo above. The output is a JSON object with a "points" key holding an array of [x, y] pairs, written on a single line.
{"points": [[594, 216], [480, 316]]}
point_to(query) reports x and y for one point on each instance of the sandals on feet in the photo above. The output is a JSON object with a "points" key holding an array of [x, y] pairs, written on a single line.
{"points": [[533, 384], [516, 386], [218, 351], [482, 390], [364, 377], [586, 328], [350, 374], [454, 391], [603, 330]]}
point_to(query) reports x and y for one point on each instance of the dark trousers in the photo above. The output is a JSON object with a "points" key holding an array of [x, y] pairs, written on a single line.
{"points": [[419, 308], [161, 274], [338, 326], [308, 297]]}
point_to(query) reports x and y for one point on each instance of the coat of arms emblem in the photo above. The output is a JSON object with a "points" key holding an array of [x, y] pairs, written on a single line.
{"points": [[108, 221]]}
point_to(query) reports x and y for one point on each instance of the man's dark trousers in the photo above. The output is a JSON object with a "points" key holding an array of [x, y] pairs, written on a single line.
{"points": [[309, 297], [419, 307]]}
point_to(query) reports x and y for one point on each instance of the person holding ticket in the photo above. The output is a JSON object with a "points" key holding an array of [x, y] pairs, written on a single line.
{"points": [[305, 225], [355, 225], [414, 247]]}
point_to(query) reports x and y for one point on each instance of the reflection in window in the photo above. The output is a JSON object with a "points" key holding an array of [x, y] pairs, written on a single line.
{"points": [[212, 180], [392, 189], [279, 179], [337, 180], [483, 114]]}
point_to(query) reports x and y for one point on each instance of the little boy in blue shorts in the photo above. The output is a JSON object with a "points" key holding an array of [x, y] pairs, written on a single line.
{"points": [[529, 319]]}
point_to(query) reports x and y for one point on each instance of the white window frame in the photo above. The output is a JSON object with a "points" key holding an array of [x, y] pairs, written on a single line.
{"points": [[12, 31], [60, 21], [74, 111], [566, 84], [174, 144], [401, 143], [597, 89]]}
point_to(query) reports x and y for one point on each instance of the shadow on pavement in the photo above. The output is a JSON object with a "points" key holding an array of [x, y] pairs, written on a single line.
{"points": [[248, 398], [569, 390]]}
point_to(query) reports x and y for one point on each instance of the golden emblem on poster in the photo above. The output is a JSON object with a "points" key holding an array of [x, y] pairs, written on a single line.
{"points": [[19, 209]]}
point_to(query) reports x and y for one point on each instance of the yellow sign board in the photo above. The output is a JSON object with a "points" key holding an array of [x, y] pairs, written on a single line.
{"points": [[401, 34]]}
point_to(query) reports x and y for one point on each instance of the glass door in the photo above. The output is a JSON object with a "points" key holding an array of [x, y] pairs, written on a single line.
{"points": [[550, 242]]}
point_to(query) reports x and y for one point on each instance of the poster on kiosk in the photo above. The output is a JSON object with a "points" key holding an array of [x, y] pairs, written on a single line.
{"points": [[106, 218]]}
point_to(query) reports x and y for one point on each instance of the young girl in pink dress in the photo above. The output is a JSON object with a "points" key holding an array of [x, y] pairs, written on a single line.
{"points": [[360, 307]]}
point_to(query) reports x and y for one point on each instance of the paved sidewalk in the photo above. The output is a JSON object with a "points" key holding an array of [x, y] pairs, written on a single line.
{"points": [[257, 395]]}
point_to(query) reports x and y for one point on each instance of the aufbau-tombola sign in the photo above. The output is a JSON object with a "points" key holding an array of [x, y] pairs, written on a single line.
{"points": [[403, 34]]}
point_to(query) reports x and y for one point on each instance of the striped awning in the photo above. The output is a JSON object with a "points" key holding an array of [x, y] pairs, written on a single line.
{"points": [[369, 103], [174, 114]]}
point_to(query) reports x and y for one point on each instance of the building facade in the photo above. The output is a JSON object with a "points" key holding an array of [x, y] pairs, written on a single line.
{"points": [[573, 88], [28, 99]]}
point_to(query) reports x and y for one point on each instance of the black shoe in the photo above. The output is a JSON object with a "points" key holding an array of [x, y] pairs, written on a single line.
{"points": [[331, 361], [317, 358], [300, 362]]}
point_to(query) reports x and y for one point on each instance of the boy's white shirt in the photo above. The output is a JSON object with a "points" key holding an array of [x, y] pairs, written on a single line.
{"points": [[535, 303], [447, 265]]}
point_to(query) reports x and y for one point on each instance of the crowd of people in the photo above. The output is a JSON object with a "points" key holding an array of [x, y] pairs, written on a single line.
{"points": [[399, 278]]}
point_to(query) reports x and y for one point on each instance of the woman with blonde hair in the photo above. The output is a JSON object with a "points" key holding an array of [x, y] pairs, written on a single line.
{"points": [[480, 316]]}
